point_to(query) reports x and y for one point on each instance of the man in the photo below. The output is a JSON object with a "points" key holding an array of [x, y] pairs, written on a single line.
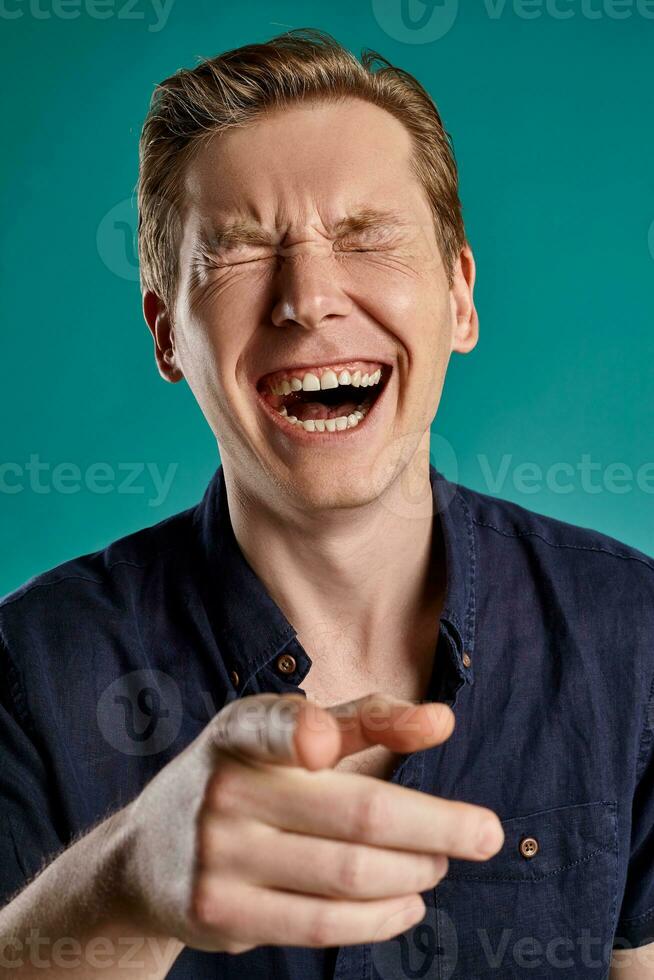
{"points": [[231, 737]]}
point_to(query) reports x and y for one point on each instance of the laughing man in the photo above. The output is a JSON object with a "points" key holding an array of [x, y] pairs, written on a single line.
{"points": [[341, 696]]}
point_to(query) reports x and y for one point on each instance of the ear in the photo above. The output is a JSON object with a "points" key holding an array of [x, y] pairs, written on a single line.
{"points": [[465, 333], [158, 320]]}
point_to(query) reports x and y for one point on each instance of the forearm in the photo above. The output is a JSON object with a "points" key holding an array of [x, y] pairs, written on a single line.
{"points": [[74, 921]]}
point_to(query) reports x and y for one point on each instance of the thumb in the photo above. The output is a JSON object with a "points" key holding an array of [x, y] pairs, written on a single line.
{"points": [[291, 730], [376, 719]]}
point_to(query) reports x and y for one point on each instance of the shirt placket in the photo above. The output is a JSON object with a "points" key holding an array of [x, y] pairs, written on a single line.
{"points": [[356, 962], [284, 674]]}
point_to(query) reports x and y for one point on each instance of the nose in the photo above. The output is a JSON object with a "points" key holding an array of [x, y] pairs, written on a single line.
{"points": [[309, 291]]}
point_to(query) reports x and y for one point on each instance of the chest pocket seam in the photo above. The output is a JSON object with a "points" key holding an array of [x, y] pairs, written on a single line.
{"points": [[563, 832]]}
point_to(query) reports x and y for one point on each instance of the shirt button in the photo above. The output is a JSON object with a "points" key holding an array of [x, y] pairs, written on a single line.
{"points": [[286, 664], [234, 678], [466, 659], [528, 847]]}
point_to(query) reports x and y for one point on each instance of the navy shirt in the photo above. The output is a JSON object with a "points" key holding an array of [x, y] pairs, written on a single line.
{"points": [[113, 662]]}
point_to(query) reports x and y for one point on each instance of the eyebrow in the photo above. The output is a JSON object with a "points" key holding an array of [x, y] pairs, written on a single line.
{"points": [[232, 234], [367, 217]]}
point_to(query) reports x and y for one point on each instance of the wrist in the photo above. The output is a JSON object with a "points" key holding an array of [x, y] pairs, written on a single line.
{"points": [[126, 896], [119, 892]]}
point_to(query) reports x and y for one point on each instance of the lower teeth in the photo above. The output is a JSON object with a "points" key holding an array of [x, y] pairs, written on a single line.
{"points": [[329, 425]]}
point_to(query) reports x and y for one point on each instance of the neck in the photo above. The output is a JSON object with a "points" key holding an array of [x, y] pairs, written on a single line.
{"points": [[375, 572]]}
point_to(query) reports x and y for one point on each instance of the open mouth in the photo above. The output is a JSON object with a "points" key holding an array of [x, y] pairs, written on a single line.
{"points": [[325, 399]]}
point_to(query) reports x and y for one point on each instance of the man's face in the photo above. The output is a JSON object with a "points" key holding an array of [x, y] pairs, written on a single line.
{"points": [[309, 256]]}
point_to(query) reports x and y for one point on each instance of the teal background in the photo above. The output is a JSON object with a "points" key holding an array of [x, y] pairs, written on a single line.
{"points": [[552, 126]]}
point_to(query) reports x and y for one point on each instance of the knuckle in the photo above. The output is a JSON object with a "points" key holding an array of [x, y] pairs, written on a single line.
{"points": [[371, 815], [206, 910], [320, 930], [212, 844], [351, 876], [224, 789]]}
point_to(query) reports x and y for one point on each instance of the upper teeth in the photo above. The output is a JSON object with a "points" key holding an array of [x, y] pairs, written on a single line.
{"points": [[328, 379]]}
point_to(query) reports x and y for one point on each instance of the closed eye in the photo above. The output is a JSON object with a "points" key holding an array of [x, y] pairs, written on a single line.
{"points": [[370, 243], [359, 248], [223, 262], [258, 258]]}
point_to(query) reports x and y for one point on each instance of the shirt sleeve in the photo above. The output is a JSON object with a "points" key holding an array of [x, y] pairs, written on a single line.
{"points": [[28, 838], [635, 925]]}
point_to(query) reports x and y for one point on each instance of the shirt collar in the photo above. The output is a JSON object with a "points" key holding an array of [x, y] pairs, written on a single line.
{"points": [[250, 627]]}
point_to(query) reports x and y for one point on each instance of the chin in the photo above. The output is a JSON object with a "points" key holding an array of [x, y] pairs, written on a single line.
{"points": [[330, 486]]}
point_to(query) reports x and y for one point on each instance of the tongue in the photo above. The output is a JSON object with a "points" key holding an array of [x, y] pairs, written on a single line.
{"points": [[316, 410]]}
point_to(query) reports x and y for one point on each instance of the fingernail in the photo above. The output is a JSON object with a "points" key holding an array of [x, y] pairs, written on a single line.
{"points": [[490, 838]]}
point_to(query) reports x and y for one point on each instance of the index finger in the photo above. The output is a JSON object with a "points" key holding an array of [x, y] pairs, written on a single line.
{"points": [[363, 809]]}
